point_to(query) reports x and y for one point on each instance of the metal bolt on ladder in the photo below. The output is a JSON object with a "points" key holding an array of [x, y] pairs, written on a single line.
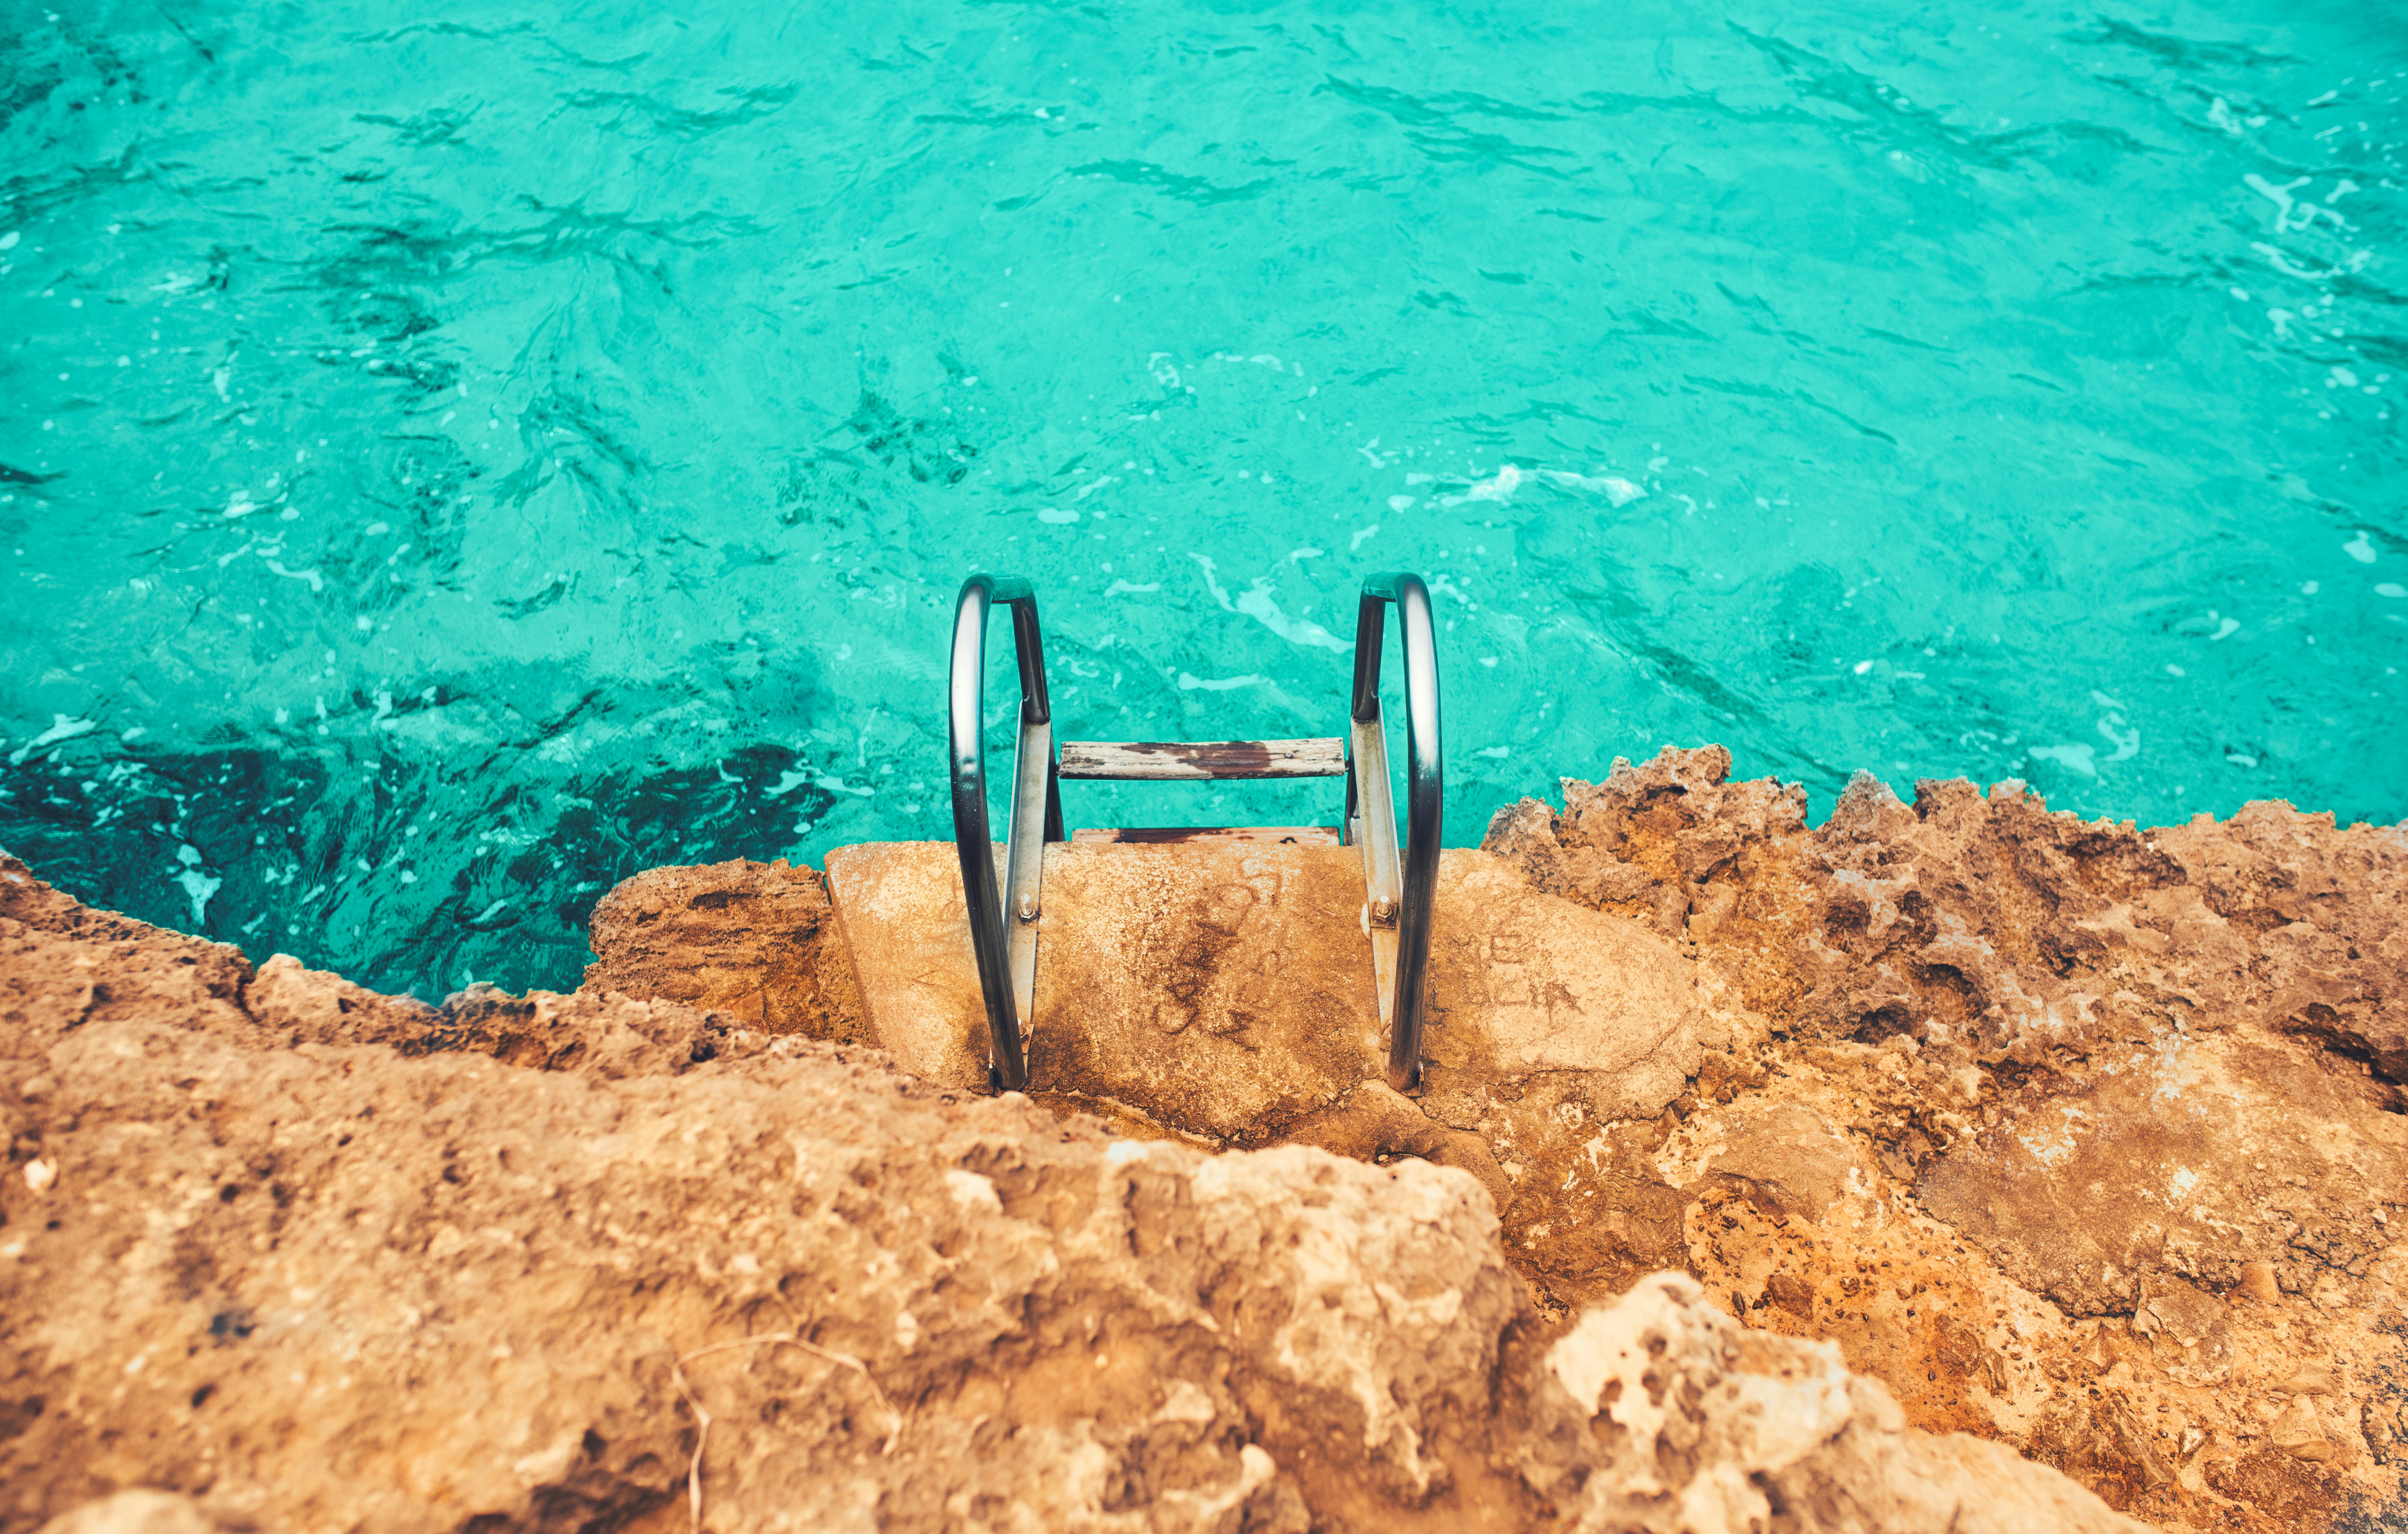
{"points": [[1400, 889]]}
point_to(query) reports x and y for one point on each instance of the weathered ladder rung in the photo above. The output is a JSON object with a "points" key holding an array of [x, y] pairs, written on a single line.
{"points": [[1200, 760], [1171, 836]]}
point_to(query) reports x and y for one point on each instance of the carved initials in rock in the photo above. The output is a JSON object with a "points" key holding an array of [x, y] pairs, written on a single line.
{"points": [[1223, 948], [1513, 976]]}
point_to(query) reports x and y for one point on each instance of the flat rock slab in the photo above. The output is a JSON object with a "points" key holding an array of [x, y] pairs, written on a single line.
{"points": [[1523, 982], [1226, 989]]}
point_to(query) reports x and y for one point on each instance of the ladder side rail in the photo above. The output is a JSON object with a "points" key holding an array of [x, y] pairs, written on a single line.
{"points": [[1025, 864], [1374, 820], [973, 839], [1426, 789], [1424, 819], [1035, 703]]}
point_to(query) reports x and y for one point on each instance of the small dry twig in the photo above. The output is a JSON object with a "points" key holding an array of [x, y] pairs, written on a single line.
{"points": [[702, 1417]]}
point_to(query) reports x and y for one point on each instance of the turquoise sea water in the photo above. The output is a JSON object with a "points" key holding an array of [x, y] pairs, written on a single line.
{"points": [[456, 457]]}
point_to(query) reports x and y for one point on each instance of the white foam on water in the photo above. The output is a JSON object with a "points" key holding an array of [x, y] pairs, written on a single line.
{"points": [[1256, 603], [1357, 543], [62, 728], [1122, 587], [2281, 197], [2076, 757], [9, 241], [1619, 491], [1500, 487], [2360, 547], [2282, 262], [1191, 683], [1205, 562], [2391, 590], [1058, 515], [2127, 741], [2225, 629], [198, 886], [1400, 503]]}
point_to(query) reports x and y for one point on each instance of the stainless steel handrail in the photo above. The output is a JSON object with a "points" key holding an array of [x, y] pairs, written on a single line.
{"points": [[1034, 798], [1426, 795]]}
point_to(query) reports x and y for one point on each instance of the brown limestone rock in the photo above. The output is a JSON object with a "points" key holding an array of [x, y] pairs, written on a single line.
{"points": [[248, 1282], [2188, 1159], [2126, 1105], [1713, 1426], [142, 1511], [1226, 990], [1787, 1160], [313, 1006], [1990, 1096], [754, 941], [900, 917], [1524, 982], [1377, 1123], [1223, 990], [115, 966]]}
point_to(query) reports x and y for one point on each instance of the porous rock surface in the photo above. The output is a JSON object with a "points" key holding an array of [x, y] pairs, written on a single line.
{"points": [[2082, 1136], [279, 1253], [2084, 1139], [1228, 993]]}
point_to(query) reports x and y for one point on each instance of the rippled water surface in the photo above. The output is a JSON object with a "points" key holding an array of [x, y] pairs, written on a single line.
{"points": [[450, 464]]}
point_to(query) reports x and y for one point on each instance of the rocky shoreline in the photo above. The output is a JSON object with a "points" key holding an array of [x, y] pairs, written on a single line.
{"points": [[1984, 1132]]}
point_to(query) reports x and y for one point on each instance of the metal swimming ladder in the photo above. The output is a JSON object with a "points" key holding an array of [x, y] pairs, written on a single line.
{"points": [[1400, 891]]}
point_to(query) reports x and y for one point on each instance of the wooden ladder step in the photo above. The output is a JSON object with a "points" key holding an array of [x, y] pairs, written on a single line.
{"points": [[1171, 760], [1168, 836]]}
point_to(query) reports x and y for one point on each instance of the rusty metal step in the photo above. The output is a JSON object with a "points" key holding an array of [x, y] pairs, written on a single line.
{"points": [[1162, 835], [1167, 761]]}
